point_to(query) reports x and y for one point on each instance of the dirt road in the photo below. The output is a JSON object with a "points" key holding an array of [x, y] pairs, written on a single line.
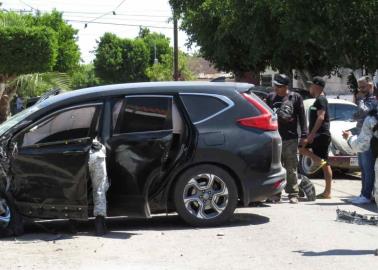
{"points": [[280, 236]]}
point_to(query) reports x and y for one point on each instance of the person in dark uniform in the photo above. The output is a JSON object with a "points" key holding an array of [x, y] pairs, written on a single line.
{"points": [[319, 137], [290, 112]]}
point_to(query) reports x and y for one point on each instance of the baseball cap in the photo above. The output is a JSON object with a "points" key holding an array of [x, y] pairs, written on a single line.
{"points": [[281, 79], [317, 81]]}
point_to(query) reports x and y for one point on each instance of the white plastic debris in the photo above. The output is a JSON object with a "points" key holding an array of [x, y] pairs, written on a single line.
{"points": [[99, 177]]}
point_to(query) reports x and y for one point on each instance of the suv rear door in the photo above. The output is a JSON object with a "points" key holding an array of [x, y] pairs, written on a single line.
{"points": [[140, 149], [50, 167]]}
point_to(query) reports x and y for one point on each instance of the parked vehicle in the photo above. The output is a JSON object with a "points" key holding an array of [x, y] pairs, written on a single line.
{"points": [[341, 155], [221, 148]]}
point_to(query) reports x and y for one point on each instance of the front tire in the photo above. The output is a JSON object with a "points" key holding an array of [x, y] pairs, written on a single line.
{"points": [[205, 195], [11, 221]]}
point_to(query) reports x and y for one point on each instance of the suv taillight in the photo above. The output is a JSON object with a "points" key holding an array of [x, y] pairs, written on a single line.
{"points": [[264, 121]]}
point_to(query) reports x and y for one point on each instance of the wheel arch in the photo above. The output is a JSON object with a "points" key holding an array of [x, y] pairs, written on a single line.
{"points": [[169, 189]]}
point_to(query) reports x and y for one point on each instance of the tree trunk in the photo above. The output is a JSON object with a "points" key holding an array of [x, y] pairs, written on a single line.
{"points": [[6, 95], [2, 84], [304, 76]]}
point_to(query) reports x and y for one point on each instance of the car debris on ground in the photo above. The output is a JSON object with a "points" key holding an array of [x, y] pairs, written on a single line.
{"points": [[354, 217]]}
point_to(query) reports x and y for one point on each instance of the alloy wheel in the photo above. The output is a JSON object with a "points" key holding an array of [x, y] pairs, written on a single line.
{"points": [[205, 196]]}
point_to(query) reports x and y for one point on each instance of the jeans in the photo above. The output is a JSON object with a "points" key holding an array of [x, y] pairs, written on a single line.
{"points": [[366, 162], [290, 163]]}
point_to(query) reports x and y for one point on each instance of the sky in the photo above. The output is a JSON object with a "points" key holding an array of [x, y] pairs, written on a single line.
{"points": [[130, 13]]}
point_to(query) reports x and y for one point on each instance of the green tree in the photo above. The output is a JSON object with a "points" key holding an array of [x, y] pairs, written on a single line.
{"points": [[24, 48], [84, 76], [34, 50], [155, 40], [121, 60], [163, 71], [68, 50], [36, 84], [315, 37]]}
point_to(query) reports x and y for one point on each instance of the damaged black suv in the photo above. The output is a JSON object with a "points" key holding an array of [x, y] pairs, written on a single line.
{"points": [[199, 149]]}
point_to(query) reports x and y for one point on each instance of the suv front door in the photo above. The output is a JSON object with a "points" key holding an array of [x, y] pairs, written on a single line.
{"points": [[50, 167]]}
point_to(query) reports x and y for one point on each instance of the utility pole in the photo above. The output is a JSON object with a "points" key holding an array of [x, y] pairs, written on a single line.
{"points": [[156, 61], [175, 48]]}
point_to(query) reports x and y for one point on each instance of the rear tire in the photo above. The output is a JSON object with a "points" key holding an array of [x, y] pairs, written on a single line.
{"points": [[205, 196]]}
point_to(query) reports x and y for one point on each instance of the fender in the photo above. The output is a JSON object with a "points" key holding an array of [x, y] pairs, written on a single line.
{"points": [[164, 196]]}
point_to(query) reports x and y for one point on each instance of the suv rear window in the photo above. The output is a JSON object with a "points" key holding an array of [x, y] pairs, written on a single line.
{"points": [[201, 107], [142, 114]]}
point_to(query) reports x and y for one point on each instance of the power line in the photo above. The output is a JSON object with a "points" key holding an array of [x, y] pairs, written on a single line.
{"points": [[117, 19], [26, 4], [118, 14], [120, 4], [123, 24], [97, 13], [107, 13]]}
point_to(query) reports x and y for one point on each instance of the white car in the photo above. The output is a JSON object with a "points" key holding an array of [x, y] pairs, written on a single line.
{"points": [[341, 155]]}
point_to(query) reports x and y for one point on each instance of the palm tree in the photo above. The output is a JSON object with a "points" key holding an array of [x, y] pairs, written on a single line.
{"points": [[26, 85], [31, 85]]}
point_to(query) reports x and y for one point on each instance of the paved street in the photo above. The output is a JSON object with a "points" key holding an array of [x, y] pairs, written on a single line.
{"points": [[281, 236]]}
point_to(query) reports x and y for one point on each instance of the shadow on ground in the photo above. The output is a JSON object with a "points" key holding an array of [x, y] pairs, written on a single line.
{"points": [[336, 252], [57, 230], [339, 175], [372, 207]]}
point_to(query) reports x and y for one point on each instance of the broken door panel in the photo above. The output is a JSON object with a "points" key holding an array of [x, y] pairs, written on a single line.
{"points": [[50, 167]]}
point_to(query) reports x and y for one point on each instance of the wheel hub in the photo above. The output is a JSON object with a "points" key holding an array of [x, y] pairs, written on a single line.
{"points": [[205, 196]]}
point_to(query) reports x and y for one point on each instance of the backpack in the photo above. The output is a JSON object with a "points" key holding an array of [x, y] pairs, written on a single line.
{"points": [[286, 110]]}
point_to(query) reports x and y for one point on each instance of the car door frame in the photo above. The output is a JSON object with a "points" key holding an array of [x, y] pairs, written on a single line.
{"points": [[61, 210], [141, 208]]}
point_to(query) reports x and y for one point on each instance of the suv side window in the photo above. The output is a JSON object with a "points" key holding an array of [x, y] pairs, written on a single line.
{"points": [[142, 114], [68, 125], [201, 107]]}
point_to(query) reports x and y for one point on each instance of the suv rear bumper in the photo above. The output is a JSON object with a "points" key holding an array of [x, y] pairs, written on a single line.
{"points": [[261, 189]]}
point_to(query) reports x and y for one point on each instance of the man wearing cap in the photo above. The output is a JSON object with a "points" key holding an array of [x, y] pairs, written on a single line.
{"points": [[319, 137], [365, 101], [290, 112]]}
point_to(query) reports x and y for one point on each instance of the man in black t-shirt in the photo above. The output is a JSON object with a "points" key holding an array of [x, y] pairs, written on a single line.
{"points": [[319, 138], [290, 112]]}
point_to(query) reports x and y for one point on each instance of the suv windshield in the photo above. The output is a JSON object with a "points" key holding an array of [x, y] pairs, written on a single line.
{"points": [[17, 118]]}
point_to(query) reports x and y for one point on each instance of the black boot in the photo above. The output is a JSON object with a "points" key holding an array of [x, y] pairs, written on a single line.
{"points": [[72, 226], [100, 226]]}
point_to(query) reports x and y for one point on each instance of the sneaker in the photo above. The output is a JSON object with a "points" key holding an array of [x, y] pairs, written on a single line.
{"points": [[293, 200], [361, 200], [351, 200]]}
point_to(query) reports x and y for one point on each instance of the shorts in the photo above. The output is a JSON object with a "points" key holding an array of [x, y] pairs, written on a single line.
{"points": [[320, 146]]}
